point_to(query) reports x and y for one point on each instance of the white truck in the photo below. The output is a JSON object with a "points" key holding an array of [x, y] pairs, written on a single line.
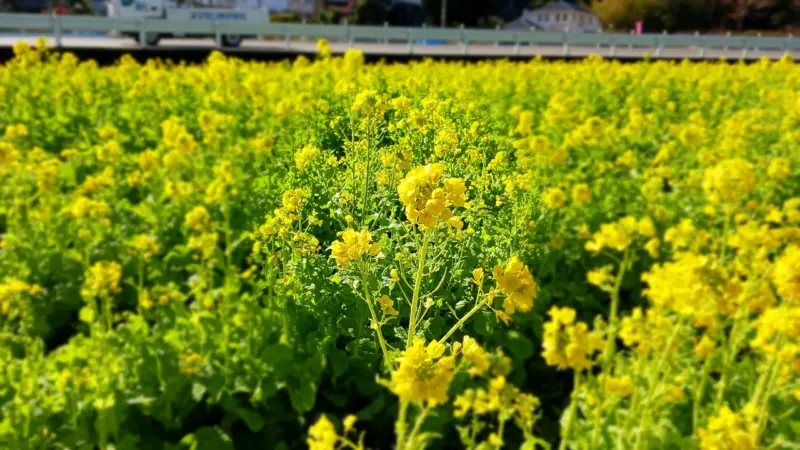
{"points": [[208, 10]]}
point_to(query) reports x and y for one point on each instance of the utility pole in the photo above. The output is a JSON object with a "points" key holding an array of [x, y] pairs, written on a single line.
{"points": [[443, 19]]}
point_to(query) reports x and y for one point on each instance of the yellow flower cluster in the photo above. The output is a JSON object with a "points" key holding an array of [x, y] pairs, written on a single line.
{"points": [[424, 373], [515, 280], [621, 234], [568, 344], [353, 246], [426, 203], [729, 180], [728, 431], [102, 280]]}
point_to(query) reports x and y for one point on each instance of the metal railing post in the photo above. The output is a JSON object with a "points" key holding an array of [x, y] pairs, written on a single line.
{"points": [[287, 43], [516, 44], [744, 49], [386, 36], [142, 34], [217, 34], [410, 42], [565, 49], [758, 38], [497, 28], [630, 46], [464, 41], [786, 46], [348, 35], [660, 43], [612, 50], [727, 41], [700, 47], [57, 30], [598, 41]]}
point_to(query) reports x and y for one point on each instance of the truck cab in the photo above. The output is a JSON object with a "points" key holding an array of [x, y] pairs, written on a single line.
{"points": [[242, 10]]}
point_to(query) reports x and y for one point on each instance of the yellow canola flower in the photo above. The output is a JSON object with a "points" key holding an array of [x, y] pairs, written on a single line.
{"points": [[425, 202], [424, 374], [305, 156], [616, 235], [102, 279], [728, 431], [515, 280], [729, 180], [567, 344], [198, 219], [322, 435], [618, 386], [387, 306], [786, 274], [353, 246], [475, 354], [554, 198], [779, 168], [581, 193]]}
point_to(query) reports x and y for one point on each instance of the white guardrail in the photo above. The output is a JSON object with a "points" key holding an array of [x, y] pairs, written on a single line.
{"points": [[57, 26]]}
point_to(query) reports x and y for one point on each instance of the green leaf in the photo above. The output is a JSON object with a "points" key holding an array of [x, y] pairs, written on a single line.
{"points": [[519, 346], [251, 417], [400, 333], [198, 392], [483, 323], [303, 396], [339, 363], [208, 438]]}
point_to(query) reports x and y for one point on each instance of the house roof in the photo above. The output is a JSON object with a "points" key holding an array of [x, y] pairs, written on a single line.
{"points": [[523, 23], [561, 6]]}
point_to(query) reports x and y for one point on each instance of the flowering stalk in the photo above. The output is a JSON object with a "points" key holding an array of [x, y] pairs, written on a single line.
{"points": [[613, 319], [698, 396], [400, 426], [464, 319], [417, 286], [573, 405], [417, 426], [375, 322]]}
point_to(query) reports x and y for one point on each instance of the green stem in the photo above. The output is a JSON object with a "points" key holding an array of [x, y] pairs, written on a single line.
{"points": [[464, 319], [611, 344], [698, 396], [573, 405], [400, 426], [763, 414], [417, 425], [376, 324], [727, 361], [654, 382], [417, 286]]}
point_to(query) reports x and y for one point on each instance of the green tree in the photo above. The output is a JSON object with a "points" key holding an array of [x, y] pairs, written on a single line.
{"points": [[466, 12], [369, 12]]}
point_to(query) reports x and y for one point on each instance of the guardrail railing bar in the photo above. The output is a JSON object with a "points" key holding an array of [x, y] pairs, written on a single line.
{"points": [[147, 29]]}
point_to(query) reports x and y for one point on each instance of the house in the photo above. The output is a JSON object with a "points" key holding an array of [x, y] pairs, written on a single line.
{"points": [[305, 8], [560, 15]]}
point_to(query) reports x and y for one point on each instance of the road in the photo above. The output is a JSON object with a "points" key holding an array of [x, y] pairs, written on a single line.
{"points": [[490, 50]]}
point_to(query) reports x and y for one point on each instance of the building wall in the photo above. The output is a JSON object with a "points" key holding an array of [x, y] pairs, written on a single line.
{"points": [[566, 20]]}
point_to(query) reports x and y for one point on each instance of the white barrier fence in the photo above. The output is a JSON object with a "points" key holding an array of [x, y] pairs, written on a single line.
{"points": [[58, 26]]}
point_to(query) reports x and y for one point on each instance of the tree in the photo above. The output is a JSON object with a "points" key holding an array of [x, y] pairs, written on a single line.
{"points": [[466, 12], [369, 12]]}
